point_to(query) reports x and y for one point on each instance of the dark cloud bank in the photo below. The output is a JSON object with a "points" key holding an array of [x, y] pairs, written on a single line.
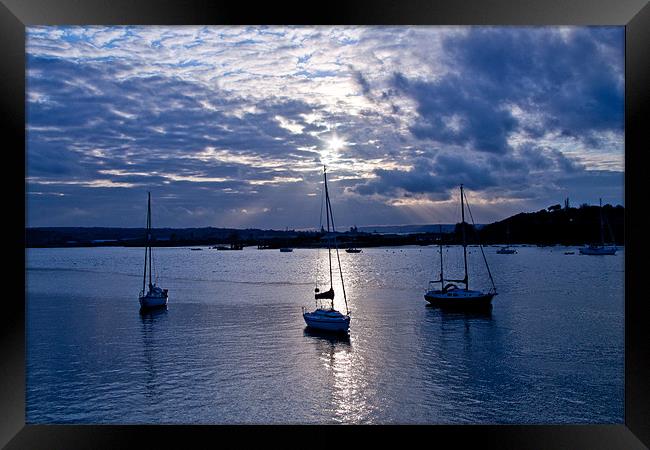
{"points": [[97, 142]]}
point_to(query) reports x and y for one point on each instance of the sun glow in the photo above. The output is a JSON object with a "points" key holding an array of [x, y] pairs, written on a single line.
{"points": [[335, 143]]}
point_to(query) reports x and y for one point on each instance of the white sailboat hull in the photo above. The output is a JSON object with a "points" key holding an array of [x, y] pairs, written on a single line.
{"points": [[327, 320]]}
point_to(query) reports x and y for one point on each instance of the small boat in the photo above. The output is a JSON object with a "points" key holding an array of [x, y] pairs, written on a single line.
{"points": [[569, 253], [196, 249], [507, 250], [286, 249], [600, 248], [353, 250], [597, 249], [155, 297], [451, 296], [233, 246], [326, 318]]}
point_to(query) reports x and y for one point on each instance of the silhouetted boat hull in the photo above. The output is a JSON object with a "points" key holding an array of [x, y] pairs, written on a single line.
{"points": [[598, 250], [459, 299], [156, 299], [231, 247]]}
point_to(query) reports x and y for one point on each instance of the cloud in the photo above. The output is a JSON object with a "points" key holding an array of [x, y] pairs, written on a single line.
{"points": [[219, 119]]}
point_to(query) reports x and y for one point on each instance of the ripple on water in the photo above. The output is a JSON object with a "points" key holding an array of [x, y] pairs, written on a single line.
{"points": [[232, 346]]}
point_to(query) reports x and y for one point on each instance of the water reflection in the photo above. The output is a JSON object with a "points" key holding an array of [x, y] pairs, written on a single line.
{"points": [[345, 392], [332, 338], [469, 354], [449, 321], [147, 313], [151, 321], [485, 314]]}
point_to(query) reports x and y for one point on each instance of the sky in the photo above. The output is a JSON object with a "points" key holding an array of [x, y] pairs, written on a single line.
{"points": [[230, 126]]}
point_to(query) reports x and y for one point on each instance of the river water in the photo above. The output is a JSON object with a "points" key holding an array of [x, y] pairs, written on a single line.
{"points": [[232, 345]]}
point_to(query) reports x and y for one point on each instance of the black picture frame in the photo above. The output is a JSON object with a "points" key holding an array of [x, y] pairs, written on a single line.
{"points": [[15, 15]]}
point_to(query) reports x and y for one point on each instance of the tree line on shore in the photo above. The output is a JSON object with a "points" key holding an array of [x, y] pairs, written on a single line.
{"points": [[553, 225]]}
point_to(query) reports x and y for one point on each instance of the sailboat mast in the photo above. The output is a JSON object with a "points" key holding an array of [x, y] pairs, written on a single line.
{"points": [[328, 206], [146, 246], [462, 224], [149, 235], [338, 259], [442, 280], [327, 213], [602, 229]]}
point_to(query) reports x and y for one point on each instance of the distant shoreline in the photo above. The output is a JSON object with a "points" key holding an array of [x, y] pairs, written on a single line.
{"points": [[209, 247], [551, 226]]}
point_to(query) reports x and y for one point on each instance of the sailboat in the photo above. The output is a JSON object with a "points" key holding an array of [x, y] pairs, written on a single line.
{"points": [[507, 250], [328, 318], [599, 249], [450, 295], [155, 297]]}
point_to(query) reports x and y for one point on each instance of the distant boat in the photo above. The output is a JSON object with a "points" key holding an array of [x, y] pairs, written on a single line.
{"points": [[195, 249], [328, 318], [507, 250], [155, 297], [601, 248], [450, 295], [569, 253], [233, 246], [353, 250]]}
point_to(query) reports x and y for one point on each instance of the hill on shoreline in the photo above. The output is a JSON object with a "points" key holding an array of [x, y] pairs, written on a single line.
{"points": [[553, 225]]}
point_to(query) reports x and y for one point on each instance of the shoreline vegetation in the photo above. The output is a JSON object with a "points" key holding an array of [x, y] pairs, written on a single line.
{"points": [[554, 225]]}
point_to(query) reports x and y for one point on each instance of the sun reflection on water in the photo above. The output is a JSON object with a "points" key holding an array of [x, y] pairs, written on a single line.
{"points": [[341, 366]]}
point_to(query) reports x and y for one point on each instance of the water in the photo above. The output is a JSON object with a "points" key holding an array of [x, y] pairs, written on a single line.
{"points": [[232, 346]]}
